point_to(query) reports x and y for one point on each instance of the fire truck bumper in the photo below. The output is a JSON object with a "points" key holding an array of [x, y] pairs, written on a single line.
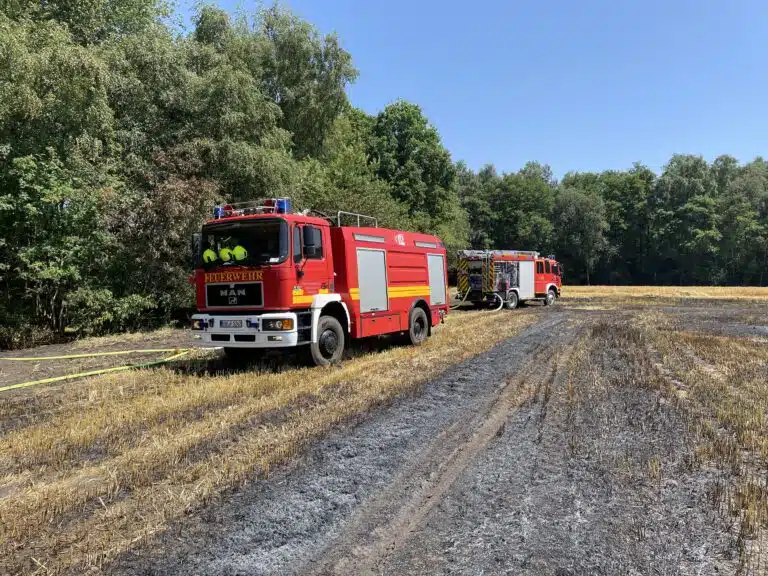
{"points": [[275, 330]]}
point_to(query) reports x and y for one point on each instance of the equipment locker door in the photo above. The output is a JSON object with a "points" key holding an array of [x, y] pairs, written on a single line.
{"points": [[372, 280], [436, 267], [526, 280]]}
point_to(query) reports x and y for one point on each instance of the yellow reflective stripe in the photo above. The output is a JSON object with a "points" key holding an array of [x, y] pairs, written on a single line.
{"points": [[300, 298], [407, 291], [396, 292]]}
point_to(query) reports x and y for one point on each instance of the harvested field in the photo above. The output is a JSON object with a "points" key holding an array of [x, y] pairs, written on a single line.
{"points": [[650, 293], [107, 462], [578, 439]]}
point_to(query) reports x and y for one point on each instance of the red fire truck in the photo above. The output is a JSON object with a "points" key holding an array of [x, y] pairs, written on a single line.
{"points": [[507, 277], [269, 278]]}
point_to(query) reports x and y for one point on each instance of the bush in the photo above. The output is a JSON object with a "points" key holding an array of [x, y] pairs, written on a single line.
{"points": [[24, 335], [95, 312]]}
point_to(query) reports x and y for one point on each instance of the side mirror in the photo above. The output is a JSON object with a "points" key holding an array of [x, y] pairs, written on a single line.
{"points": [[196, 246], [310, 251]]}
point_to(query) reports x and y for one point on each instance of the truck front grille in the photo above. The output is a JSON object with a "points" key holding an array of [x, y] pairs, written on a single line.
{"points": [[236, 295]]}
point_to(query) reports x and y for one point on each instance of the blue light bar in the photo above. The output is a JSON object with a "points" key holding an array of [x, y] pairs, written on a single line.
{"points": [[283, 205]]}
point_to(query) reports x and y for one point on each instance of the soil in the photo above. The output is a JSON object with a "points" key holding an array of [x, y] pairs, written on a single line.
{"points": [[15, 372], [489, 469]]}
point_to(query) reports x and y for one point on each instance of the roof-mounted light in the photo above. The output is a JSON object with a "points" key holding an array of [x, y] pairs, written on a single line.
{"points": [[263, 206]]}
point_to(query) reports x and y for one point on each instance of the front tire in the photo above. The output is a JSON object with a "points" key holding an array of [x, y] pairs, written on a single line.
{"points": [[551, 297], [329, 347], [418, 328], [512, 301]]}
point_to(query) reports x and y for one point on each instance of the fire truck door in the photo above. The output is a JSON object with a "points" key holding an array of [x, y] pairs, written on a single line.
{"points": [[526, 280], [436, 266], [372, 280], [314, 264]]}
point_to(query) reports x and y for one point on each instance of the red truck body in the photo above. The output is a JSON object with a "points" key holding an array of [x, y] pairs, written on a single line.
{"points": [[512, 276], [308, 282]]}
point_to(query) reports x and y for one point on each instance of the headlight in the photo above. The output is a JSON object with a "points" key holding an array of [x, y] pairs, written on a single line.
{"points": [[197, 324], [278, 324]]}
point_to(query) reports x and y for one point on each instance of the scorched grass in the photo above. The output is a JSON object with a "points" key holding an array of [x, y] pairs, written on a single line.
{"points": [[86, 479]]}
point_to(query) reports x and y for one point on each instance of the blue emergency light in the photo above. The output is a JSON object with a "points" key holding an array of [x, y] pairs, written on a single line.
{"points": [[283, 205]]}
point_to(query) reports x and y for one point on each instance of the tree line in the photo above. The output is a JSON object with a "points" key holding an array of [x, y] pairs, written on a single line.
{"points": [[118, 134]]}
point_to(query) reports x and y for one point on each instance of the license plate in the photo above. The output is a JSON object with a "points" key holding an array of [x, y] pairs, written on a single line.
{"points": [[231, 323]]}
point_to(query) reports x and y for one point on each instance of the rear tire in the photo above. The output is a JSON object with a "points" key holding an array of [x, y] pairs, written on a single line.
{"points": [[551, 297], [512, 301], [418, 329], [329, 347]]}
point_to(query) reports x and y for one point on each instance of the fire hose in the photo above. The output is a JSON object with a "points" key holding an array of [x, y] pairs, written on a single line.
{"points": [[461, 301], [496, 294], [177, 353]]}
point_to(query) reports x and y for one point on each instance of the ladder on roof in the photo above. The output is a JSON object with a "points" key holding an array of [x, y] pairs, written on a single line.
{"points": [[491, 253], [358, 216]]}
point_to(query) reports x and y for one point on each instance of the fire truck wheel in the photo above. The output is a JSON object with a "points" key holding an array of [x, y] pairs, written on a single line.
{"points": [[419, 327], [512, 301], [329, 347], [551, 297]]}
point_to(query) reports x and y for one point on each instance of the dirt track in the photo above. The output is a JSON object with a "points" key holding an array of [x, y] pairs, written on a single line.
{"points": [[496, 467]]}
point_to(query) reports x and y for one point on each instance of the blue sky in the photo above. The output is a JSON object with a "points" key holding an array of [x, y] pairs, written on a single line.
{"points": [[580, 85]]}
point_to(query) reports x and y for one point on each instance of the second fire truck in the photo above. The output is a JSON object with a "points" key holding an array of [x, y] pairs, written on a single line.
{"points": [[507, 277]]}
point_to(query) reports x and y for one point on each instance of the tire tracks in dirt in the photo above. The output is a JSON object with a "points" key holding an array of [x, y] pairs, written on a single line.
{"points": [[304, 514], [386, 523]]}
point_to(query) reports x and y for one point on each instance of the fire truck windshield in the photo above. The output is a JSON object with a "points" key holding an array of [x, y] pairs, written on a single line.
{"points": [[249, 243]]}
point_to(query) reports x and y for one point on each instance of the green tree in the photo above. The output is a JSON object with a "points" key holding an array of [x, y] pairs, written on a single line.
{"points": [[581, 227], [522, 206], [474, 192], [409, 155], [686, 233]]}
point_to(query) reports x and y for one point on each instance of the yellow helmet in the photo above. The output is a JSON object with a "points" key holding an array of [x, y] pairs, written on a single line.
{"points": [[225, 254], [209, 256], [239, 253]]}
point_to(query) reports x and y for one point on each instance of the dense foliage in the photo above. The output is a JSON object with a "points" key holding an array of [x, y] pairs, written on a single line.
{"points": [[118, 134], [695, 223]]}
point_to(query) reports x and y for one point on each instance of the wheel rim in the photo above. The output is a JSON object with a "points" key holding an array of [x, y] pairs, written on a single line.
{"points": [[418, 329], [329, 343], [550, 297]]}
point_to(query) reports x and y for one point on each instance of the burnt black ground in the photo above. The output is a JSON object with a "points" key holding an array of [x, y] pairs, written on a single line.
{"points": [[277, 526], [461, 478]]}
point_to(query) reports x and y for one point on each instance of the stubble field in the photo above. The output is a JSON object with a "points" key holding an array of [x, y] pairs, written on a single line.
{"points": [[620, 431]]}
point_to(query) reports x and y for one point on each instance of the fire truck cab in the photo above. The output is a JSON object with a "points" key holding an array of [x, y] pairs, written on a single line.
{"points": [[507, 276], [267, 278]]}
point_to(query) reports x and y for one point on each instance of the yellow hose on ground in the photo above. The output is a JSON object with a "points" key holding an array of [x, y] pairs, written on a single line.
{"points": [[180, 353], [94, 354]]}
